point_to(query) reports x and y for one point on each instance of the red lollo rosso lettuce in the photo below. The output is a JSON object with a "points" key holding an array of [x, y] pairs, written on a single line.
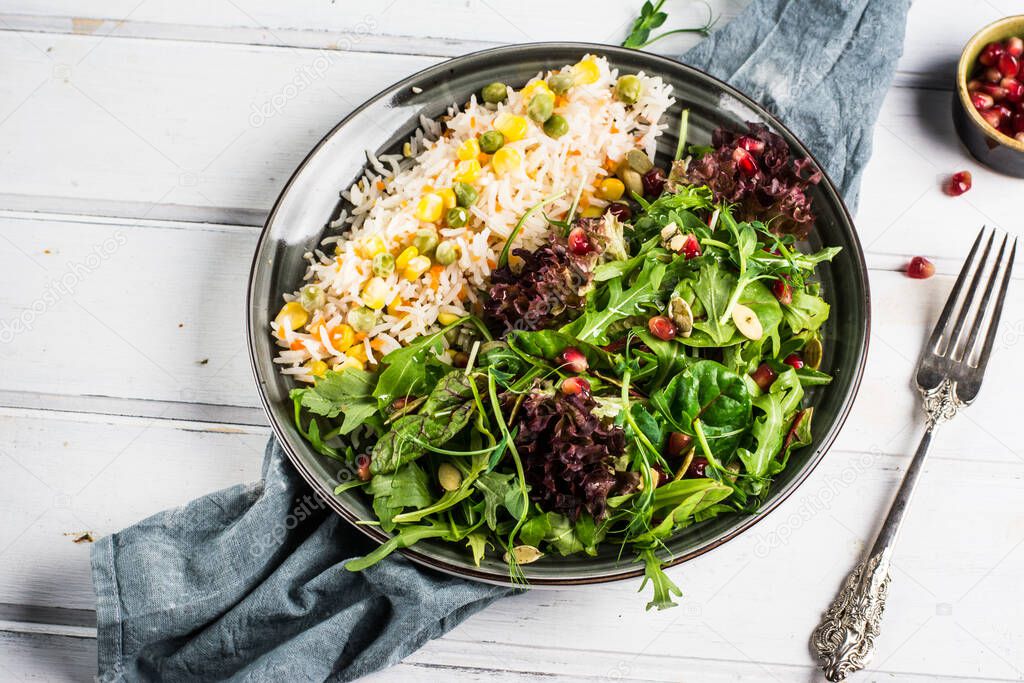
{"points": [[568, 454], [550, 286], [754, 172]]}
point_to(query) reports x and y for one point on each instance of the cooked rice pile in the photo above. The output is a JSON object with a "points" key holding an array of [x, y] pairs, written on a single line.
{"points": [[400, 194]]}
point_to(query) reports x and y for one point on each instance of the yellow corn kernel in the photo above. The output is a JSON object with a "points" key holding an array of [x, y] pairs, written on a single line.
{"points": [[610, 189], [317, 368], [292, 316], [342, 337], [430, 207], [532, 89], [416, 267], [513, 127], [353, 363], [467, 171], [374, 293], [407, 255], [585, 71], [468, 149], [446, 318], [358, 353], [373, 245], [448, 197], [506, 160], [314, 327], [592, 212], [394, 304]]}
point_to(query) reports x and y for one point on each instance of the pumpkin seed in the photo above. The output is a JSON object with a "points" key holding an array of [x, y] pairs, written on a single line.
{"points": [[682, 315], [449, 476], [525, 554], [812, 353], [633, 181], [639, 161], [747, 322]]}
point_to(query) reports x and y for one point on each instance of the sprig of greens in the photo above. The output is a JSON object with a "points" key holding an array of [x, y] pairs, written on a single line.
{"points": [[652, 17]]}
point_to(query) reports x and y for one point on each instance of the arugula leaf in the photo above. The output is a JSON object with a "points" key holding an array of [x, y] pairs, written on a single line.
{"points": [[663, 586], [406, 536], [807, 311], [499, 490], [682, 499], [444, 414], [478, 543], [349, 391], [620, 304]]}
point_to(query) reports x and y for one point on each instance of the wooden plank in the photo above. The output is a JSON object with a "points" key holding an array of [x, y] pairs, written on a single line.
{"points": [[64, 472], [191, 151]]}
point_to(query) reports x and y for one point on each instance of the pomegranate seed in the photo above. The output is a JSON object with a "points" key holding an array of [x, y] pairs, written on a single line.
{"points": [[763, 376], [574, 360], [794, 361], [981, 100], [1004, 112], [752, 145], [958, 183], [697, 468], [621, 211], [678, 444], [992, 75], [783, 292], [997, 92], [745, 161], [575, 385], [974, 84], [654, 182], [991, 54], [991, 117], [1018, 122], [691, 247], [1014, 89], [1014, 46], [662, 328], [1009, 65], [579, 243], [920, 268]]}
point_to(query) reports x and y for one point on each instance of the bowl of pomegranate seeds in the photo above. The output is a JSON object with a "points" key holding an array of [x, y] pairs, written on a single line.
{"points": [[988, 107]]}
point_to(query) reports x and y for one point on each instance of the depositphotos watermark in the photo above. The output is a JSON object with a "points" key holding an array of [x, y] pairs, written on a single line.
{"points": [[75, 272], [813, 504], [309, 73]]}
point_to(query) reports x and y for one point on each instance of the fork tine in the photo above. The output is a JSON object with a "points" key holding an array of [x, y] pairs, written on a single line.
{"points": [[965, 307], [983, 306], [954, 294], [993, 325]]}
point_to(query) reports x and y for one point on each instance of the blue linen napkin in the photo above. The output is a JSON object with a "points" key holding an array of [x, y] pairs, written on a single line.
{"points": [[246, 585]]}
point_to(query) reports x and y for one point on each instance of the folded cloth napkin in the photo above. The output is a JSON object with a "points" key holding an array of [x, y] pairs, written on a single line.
{"points": [[246, 583]]}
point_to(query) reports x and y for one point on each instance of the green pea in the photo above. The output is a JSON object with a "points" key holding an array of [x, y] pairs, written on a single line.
{"points": [[491, 141], [425, 241], [383, 264], [361, 319], [457, 217], [312, 297], [465, 195], [628, 89], [447, 252], [560, 83], [540, 107], [556, 126], [493, 93]]}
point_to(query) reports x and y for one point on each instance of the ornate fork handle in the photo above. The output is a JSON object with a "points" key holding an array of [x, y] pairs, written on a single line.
{"points": [[844, 640]]}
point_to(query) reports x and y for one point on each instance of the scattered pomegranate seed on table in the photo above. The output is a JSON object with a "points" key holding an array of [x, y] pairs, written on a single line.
{"points": [[958, 183], [920, 268]]}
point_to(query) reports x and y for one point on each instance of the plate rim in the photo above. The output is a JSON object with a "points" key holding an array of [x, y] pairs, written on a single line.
{"points": [[633, 570]]}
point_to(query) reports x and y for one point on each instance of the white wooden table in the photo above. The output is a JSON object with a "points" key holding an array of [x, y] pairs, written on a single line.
{"points": [[142, 143]]}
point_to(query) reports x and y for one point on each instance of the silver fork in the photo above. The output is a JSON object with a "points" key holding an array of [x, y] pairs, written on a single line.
{"points": [[949, 375]]}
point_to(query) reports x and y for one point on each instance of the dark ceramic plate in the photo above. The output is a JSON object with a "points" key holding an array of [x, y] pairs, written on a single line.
{"points": [[298, 221]]}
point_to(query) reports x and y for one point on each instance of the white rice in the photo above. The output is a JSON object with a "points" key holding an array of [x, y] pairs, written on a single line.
{"points": [[383, 203]]}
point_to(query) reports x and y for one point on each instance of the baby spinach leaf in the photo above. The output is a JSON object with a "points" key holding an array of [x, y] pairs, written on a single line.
{"points": [[444, 414]]}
